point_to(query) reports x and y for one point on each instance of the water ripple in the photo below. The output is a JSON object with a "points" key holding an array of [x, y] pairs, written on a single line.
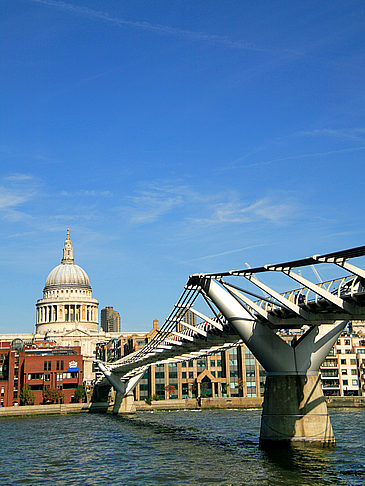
{"points": [[172, 448]]}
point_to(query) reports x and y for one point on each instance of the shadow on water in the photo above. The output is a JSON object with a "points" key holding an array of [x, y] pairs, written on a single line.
{"points": [[230, 441], [189, 430]]}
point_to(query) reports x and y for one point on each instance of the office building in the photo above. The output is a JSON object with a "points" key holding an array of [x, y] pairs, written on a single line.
{"points": [[109, 320]]}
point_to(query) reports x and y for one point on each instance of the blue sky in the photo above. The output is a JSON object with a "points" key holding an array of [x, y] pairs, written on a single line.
{"points": [[174, 138]]}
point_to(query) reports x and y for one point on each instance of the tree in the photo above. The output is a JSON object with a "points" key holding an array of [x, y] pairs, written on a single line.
{"points": [[52, 395], [170, 389], [149, 399], [26, 396], [80, 393]]}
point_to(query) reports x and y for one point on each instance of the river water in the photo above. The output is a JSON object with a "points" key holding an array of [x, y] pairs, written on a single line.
{"points": [[173, 448]]}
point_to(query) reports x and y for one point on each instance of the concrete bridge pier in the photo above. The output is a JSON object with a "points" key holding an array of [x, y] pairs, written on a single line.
{"points": [[295, 411], [294, 408], [124, 398], [124, 404]]}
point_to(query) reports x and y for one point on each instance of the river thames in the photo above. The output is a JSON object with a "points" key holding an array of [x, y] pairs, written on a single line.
{"points": [[173, 448]]}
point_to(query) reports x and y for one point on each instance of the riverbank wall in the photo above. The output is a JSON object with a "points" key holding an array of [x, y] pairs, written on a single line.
{"points": [[206, 403], [53, 409], [338, 402], [237, 402], [185, 404]]}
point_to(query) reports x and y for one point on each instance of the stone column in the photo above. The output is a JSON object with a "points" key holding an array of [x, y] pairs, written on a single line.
{"points": [[153, 380], [295, 411], [124, 404]]}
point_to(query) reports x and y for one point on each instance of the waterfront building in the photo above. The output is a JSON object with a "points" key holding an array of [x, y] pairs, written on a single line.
{"points": [[343, 371], [41, 366], [232, 373], [187, 316], [109, 320]]}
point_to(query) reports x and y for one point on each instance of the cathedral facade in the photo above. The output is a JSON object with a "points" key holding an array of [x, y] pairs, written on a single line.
{"points": [[67, 302], [68, 313]]}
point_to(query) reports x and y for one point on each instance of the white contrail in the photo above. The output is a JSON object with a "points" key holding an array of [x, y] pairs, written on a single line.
{"points": [[160, 29]]}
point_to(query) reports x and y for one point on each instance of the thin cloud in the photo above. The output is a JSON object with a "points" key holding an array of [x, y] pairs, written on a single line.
{"points": [[16, 189], [184, 203], [341, 133], [235, 212], [87, 193], [149, 207], [301, 156], [228, 252], [18, 178], [156, 28], [10, 198]]}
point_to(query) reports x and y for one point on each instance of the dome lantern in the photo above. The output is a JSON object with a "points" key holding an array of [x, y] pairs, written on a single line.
{"points": [[67, 274], [68, 256]]}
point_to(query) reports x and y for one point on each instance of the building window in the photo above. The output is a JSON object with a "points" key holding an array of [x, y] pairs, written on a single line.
{"points": [[183, 374], [344, 372], [160, 390], [343, 361], [57, 365], [354, 382], [354, 372], [49, 365], [62, 365], [183, 364], [45, 366], [212, 362], [191, 374], [345, 382], [353, 361]]}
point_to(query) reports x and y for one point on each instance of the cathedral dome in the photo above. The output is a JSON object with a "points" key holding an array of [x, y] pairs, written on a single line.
{"points": [[67, 274]]}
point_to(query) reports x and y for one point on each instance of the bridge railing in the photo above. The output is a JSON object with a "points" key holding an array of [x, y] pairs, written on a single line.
{"points": [[342, 286]]}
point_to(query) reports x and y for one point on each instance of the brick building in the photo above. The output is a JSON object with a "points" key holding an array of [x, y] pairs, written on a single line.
{"points": [[41, 365]]}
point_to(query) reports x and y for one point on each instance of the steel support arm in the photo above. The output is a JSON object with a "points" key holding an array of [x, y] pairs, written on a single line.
{"points": [[341, 262], [275, 355], [280, 298], [334, 299]]}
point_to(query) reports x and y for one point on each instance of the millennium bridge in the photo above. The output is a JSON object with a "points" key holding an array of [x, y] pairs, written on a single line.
{"points": [[231, 309]]}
